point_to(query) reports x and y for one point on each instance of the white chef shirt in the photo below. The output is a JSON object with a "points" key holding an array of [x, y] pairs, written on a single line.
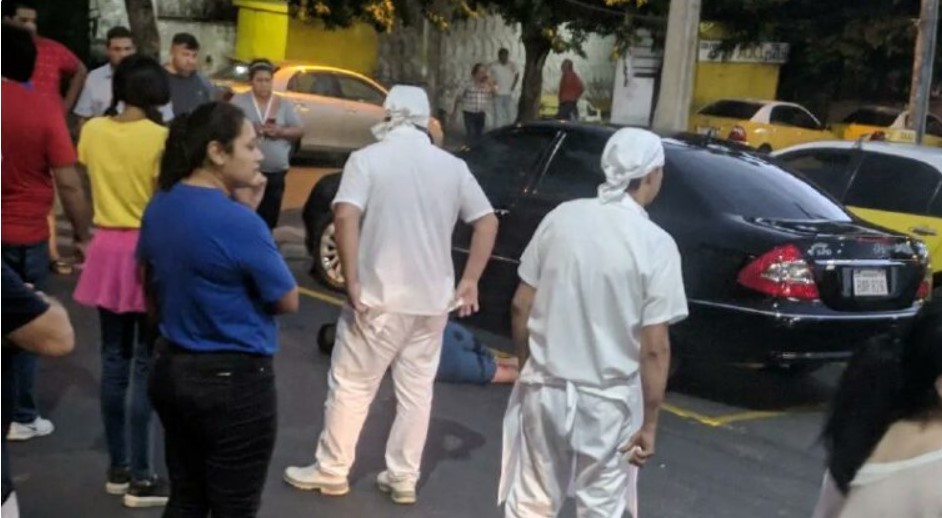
{"points": [[411, 194], [96, 95], [601, 273], [504, 76]]}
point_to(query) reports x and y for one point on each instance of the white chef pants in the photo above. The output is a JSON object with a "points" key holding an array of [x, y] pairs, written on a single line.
{"points": [[569, 444], [367, 344]]}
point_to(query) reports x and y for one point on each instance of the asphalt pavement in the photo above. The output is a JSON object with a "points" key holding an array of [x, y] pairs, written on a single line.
{"points": [[733, 442]]}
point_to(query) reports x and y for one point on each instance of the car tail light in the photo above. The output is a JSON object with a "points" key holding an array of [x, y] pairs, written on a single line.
{"points": [[925, 290], [878, 136], [782, 272], [737, 134]]}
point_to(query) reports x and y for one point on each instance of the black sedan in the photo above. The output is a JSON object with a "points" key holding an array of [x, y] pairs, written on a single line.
{"points": [[776, 271]]}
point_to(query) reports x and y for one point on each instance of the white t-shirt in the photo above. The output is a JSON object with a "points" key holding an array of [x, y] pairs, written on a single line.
{"points": [[411, 194], [504, 76], [601, 273]]}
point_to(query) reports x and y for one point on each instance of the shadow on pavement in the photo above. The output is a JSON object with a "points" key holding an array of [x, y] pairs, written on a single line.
{"points": [[757, 389]]}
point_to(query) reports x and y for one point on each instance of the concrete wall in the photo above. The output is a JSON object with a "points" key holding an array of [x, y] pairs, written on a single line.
{"points": [[451, 55], [217, 39]]}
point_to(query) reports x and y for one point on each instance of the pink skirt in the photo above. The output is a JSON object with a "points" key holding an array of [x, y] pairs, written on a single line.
{"points": [[109, 279]]}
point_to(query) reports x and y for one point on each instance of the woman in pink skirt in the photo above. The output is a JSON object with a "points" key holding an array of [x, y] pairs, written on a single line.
{"points": [[122, 153]]}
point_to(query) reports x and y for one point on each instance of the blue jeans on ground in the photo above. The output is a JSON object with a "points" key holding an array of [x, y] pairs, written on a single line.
{"points": [[127, 346], [31, 263]]}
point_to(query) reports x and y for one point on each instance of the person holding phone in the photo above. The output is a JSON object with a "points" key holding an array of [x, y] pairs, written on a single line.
{"points": [[277, 126]]}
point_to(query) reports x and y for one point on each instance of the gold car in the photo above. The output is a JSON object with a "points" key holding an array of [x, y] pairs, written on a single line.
{"points": [[763, 125], [896, 186], [889, 124], [337, 107]]}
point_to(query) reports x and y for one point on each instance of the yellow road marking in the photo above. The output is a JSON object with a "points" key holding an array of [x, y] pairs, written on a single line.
{"points": [[323, 297], [703, 419]]}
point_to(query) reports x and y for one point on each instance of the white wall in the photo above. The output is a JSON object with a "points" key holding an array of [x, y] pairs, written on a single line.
{"points": [[217, 39]]}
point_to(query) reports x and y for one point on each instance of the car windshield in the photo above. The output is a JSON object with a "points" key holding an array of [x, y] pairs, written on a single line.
{"points": [[879, 118], [743, 184], [732, 109], [238, 72]]}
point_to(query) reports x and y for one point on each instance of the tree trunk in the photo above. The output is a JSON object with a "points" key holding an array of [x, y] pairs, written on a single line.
{"points": [[537, 48], [143, 21]]}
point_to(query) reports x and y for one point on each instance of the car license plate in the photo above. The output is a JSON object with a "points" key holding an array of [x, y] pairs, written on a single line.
{"points": [[870, 283]]}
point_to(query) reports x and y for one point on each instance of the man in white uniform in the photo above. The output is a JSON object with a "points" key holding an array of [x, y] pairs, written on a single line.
{"points": [[505, 74], [600, 283], [96, 94], [408, 195]]}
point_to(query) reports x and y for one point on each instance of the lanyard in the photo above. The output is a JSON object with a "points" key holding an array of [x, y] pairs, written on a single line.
{"points": [[262, 119]]}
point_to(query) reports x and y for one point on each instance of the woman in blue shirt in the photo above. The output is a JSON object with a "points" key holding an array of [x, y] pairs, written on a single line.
{"points": [[216, 281]]}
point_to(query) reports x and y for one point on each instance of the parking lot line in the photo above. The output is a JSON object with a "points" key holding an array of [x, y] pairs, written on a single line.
{"points": [[323, 297], [703, 419]]}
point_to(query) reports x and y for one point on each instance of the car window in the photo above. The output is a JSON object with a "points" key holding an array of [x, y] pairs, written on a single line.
{"points": [[355, 89], [315, 83], [892, 183], [576, 169], [827, 168], [503, 160], [934, 126], [869, 117], [732, 109], [935, 209], [746, 185], [793, 116]]}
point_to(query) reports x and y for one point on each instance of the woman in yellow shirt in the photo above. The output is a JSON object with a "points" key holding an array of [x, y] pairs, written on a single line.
{"points": [[122, 153]]}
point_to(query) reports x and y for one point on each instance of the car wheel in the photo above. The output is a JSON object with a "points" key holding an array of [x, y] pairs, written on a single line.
{"points": [[792, 370], [765, 148], [326, 336], [327, 268]]}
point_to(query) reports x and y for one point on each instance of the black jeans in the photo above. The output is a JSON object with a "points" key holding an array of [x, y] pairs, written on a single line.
{"points": [[270, 207], [474, 125], [568, 111], [219, 416]]}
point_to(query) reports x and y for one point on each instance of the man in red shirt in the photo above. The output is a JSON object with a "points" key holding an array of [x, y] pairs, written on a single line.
{"points": [[54, 62], [37, 155], [570, 90]]}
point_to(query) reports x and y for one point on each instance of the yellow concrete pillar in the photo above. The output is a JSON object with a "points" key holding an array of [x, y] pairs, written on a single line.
{"points": [[262, 30]]}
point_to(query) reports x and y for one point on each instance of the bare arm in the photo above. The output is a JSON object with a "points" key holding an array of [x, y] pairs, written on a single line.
{"points": [[482, 243], [290, 303], [49, 334], [75, 88], [72, 195], [347, 229], [520, 310], [289, 132], [655, 364]]}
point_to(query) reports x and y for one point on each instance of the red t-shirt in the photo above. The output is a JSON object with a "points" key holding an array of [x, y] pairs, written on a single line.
{"points": [[54, 62], [34, 140]]}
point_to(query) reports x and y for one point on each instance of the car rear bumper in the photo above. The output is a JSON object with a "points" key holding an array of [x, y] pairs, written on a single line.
{"points": [[772, 334]]}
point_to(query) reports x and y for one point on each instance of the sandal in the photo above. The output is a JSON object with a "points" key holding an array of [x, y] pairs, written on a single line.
{"points": [[60, 267]]}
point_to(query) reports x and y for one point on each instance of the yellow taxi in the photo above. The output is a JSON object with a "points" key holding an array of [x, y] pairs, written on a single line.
{"points": [[896, 186], [889, 124], [763, 125]]}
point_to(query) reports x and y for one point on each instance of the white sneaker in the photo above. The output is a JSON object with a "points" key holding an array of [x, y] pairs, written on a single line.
{"points": [[23, 432], [11, 509], [401, 492], [310, 478]]}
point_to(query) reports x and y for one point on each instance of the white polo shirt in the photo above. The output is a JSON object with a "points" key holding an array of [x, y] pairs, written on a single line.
{"points": [[601, 273], [412, 194], [96, 95], [504, 76]]}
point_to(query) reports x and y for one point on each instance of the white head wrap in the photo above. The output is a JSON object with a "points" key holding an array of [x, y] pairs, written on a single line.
{"points": [[630, 153], [405, 106]]}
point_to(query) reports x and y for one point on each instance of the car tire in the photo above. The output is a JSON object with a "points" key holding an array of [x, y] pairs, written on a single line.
{"points": [[765, 148], [326, 268], [326, 336]]}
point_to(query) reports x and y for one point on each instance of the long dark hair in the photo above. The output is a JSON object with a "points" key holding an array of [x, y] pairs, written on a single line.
{"points": [[191, 134], [890, 379], [140, 81]]}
